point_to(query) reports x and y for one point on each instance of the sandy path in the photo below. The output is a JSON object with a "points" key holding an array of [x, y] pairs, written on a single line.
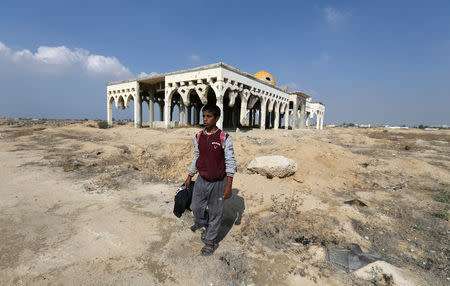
{"points": [[53, 232]]}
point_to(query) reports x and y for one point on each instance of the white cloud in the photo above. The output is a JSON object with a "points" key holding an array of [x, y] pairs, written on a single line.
{"points": [[333, 16], [62, 59], [194, 58], [144, 74]]}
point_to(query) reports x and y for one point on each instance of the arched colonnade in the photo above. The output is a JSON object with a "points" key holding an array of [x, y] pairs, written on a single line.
{"points": [[244, 100]]}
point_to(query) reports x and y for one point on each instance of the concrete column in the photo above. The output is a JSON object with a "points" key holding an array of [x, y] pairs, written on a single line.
{"points": [[109, 111], [317, 121], [254, 118], [151, 112], [262, 116], [219, 103], [286, 119], [321, 122], [295, 116], [243, 113], [189, 114], [171, 112], [182, 114], [196, 115], [167, 108], [161, 111], [302, 116], [277, 117], [307, 120], [137, 110]]}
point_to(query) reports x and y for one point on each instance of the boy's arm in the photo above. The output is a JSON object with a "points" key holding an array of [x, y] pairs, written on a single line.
{"points": [[230, 167], [193, 169], [230, 161]]}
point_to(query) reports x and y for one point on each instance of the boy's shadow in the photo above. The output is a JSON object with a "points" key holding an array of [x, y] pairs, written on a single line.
{"points": [[232, 214]]}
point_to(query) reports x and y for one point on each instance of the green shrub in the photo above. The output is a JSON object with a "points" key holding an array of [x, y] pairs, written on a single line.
{"points": [[102, 124], [443, 196], [443, 214]]}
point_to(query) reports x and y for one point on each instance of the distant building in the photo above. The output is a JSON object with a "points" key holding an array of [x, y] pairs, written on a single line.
{"points": [[245, 99]]}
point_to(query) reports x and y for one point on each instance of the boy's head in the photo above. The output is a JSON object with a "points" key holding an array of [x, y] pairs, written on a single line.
{"points": [[211, 114]]}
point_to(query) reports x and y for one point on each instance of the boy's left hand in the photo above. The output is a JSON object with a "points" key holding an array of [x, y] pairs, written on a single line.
{"points": [[227, 193]]}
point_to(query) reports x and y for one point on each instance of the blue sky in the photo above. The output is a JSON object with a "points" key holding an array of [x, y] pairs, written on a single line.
{"points": [[379, 62]]}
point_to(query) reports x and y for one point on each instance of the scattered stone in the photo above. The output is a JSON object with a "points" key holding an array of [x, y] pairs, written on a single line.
{"points": [[98, 153], [273, 166], [76, 163], [365, 165], [376, 185], [400, 186], [303, 240], [407, 148], [1, 137], [356, 202]]}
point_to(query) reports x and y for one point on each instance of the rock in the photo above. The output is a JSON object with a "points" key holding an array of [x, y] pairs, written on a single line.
{"points": [[273, 166], [386, 274]]}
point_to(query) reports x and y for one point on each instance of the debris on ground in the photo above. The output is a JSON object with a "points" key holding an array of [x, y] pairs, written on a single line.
{"points": [[350, 257]]}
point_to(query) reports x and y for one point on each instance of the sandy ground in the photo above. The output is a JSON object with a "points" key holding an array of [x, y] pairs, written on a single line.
{"points": [[86, 206]]}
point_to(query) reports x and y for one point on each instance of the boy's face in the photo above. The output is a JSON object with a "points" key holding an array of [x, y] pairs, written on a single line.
{"points": [[209, 120]]}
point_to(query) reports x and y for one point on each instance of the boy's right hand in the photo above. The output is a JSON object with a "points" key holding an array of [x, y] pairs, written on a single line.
{"points": [[188, 181]]}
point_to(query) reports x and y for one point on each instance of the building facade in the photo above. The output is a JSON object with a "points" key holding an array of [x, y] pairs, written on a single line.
{"points": [[245, 100]]}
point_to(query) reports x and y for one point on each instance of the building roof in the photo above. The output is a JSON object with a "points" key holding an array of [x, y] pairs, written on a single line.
{"points": [[302, 94], [206, 67]]}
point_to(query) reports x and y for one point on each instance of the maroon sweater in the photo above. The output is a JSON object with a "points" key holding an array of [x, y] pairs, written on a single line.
{"points": [[211, 161]]}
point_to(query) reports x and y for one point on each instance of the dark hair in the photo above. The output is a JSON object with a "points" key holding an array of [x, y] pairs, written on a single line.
{"points": [[214, 109]]}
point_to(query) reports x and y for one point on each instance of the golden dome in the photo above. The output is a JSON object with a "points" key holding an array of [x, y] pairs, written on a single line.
{"points": [[265, 76]]}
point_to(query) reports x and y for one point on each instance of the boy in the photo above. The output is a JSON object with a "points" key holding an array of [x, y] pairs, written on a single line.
{"points": [[215, 162]]}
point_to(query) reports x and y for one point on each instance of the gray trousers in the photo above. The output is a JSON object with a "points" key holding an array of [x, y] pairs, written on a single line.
{"points": [[207, 205]]}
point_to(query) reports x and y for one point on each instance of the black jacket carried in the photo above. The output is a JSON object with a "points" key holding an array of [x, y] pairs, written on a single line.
{"points": [[183, 199]]}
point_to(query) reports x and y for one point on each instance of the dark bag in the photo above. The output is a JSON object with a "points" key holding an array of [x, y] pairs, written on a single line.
{"points": [[183, 199]]}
